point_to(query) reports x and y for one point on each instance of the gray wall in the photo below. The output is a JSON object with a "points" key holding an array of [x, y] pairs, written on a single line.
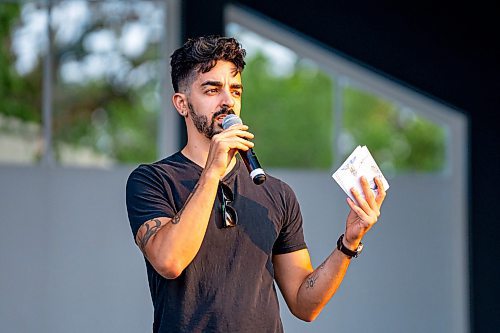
{"points": [[68, 262]]}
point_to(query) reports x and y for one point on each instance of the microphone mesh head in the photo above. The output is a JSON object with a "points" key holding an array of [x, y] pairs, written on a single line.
{"points": [[230, 120]]}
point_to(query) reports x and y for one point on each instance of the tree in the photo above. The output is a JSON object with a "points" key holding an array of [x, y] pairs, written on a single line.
{"points": [[292, 119], [291, 116], [20, 97]]}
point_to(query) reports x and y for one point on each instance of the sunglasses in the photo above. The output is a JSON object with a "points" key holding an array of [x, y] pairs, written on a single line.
{"points": [[230, 218]]}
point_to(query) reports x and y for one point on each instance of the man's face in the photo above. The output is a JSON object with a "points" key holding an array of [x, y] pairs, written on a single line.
{"points": [[214, 95]]}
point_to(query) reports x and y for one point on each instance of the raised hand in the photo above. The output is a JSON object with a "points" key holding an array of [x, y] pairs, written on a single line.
{"points": [[224, 146], [363, 214]]}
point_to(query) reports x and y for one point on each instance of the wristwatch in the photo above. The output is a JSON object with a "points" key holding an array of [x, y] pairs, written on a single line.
{"points": [[350, 253]]}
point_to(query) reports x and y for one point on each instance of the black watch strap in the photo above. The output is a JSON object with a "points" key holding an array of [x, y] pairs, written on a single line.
{"points": [[350, 253]]}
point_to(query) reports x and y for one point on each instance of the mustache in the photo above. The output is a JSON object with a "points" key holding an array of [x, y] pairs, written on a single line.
{"points": [[224, 111]]}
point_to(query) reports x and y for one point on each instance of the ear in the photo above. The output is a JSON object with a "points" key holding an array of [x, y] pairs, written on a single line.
{"points": [[180, 102]]}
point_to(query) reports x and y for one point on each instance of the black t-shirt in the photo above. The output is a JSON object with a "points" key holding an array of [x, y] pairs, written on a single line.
{"points": [[228, 287]]}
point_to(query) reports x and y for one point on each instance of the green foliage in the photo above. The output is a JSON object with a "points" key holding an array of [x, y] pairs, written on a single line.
{"points": [[396, 138], [427, 143], [20, 97], [104, 114], [291, 116], [108, 113], [114, 123], [130, 144]]}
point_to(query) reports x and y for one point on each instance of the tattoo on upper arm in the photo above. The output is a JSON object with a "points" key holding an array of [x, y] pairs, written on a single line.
{"points": [[311, 280], [177, 217], [150, 231]]}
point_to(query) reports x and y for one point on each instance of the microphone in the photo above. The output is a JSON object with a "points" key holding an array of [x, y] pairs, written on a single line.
{"points": [[249, 158]]}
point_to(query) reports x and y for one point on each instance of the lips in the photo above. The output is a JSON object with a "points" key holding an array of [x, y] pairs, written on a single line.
{"points": [[218, 120], [221, 117]]}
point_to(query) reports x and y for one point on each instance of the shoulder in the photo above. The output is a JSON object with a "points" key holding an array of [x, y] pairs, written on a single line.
{"points": [[286, 199], [161, 169], [149, 175], [278, 185], [144, 173], [278, 191]]}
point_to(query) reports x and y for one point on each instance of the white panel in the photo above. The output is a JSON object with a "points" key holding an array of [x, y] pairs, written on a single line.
{"points": [[68, 258]]}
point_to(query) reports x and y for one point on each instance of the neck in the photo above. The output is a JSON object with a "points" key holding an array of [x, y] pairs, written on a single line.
{"points": [[197, 149]]}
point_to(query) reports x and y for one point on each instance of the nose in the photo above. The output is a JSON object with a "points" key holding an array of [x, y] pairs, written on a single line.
{"points": [[227, 99]]}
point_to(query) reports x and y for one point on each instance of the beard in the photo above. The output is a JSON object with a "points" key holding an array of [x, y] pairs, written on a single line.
{"points": [[203, 125]]}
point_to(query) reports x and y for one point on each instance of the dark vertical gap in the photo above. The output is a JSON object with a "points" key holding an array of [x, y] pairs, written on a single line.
{"points": [[199, 18]]}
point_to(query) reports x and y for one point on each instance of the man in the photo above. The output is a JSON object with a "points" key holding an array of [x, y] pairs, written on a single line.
{"points": [[214, 242]]}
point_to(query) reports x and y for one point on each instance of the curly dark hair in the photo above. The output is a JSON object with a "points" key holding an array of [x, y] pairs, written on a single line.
{"points": [[200, 55]]}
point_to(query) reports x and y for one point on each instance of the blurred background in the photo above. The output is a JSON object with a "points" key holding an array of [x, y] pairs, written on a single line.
{"points": [[85, 97]]}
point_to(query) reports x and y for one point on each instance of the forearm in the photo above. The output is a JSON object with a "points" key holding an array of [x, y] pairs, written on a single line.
{"points": [[319, 286], [322, 283], [307, 291], [176, 241]]}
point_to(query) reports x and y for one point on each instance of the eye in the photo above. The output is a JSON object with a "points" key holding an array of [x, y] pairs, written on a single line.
{"points": [[212, 91], [236, 93]]}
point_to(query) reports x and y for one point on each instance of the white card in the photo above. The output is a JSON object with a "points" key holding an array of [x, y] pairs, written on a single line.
{"points": [[359, 163]]}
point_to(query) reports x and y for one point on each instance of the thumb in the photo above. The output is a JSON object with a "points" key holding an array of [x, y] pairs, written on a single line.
{"points": [[231, 154]]}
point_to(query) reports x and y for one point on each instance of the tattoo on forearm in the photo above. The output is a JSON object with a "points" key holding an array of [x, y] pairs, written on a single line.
{"points": [[311, 280], [150, 231]]}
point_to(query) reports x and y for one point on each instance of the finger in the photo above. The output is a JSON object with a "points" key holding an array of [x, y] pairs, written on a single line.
{"points": [[238, 143], [235, 128], [243, 146], [361, 200], [244, 134], [227, 136], [231, 154], [355, 208], [368, 192], [381, 192], [367, 220], [240, 126], [237, 132]]}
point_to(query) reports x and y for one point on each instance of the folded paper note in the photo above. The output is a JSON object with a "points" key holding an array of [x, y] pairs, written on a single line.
{"points": [[359, 163]]}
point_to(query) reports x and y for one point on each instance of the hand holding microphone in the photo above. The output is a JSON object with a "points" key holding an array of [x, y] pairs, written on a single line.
{"points": [[249, 158]]}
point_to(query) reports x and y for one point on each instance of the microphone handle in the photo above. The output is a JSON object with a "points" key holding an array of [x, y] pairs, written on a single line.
{"points": [[253, 166]]}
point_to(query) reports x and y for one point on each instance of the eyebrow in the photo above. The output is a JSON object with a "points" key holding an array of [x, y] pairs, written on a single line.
{"points": [[219, 84]]}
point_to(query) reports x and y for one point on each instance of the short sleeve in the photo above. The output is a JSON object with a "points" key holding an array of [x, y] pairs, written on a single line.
{"points": [[146, 197], [291, 236]]}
